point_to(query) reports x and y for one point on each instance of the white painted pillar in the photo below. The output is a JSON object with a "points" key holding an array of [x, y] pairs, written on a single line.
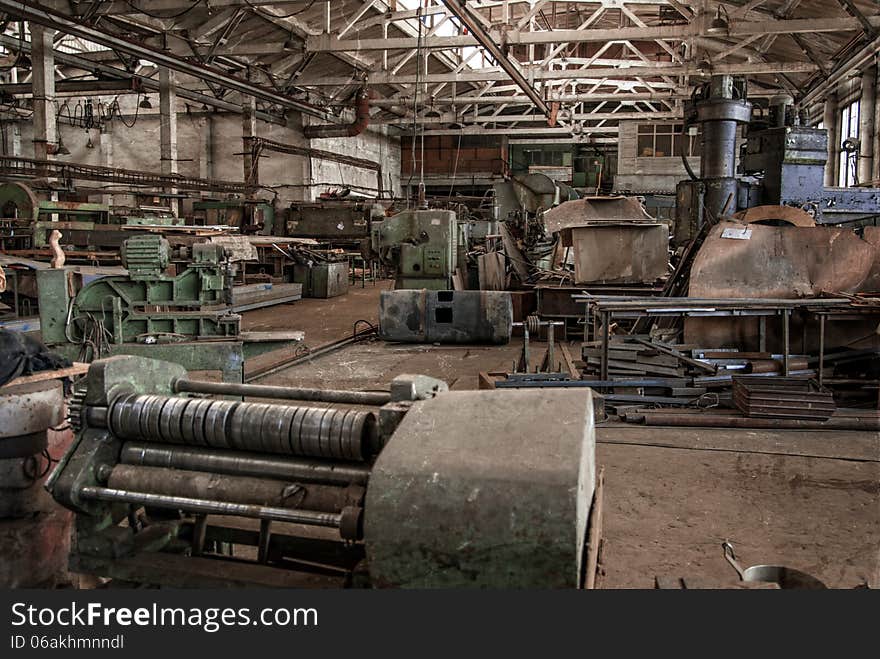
{"points": [[105, 146], [867, 109], [875, 143], [15, 139], [248, 131], [830, 121], [168, 129], [43, 82]]}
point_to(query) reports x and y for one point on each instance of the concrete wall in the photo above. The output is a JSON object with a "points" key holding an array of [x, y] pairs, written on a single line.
{"points": [[644, 175], [210, 146]]}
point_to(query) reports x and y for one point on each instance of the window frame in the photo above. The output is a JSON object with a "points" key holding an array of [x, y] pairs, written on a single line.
{"points": [[671, 130], [848, 118]]}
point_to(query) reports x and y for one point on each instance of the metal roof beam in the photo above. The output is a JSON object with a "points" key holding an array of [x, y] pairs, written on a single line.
{"points": [[509, 66], [449, 118], [68, 25], [587, 76], [85, 64], [328, 43]]}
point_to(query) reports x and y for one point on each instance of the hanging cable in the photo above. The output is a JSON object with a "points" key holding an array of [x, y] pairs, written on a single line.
{"points": [[422, 59], [291, 15], [415, 106], [183, 12]]}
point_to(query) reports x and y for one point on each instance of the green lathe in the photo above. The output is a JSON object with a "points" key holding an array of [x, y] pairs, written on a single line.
{"points": [[424, 246], [185, 318]]}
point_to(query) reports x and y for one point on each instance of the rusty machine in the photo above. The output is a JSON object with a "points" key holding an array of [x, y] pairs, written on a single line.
{"points": [[425, 247], [249, 216], [416, 486], [781, 163], [334, 223]]}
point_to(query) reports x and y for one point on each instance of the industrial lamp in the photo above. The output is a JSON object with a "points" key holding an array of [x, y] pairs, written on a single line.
{"points": [[60, 149], [145, 103], [290, 43], [721, 23]]}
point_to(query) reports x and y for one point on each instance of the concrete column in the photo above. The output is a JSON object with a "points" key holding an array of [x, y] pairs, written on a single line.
{"points": [[105, 146], [248, 131], [206, 148], [168, 128], [830, 120], [15, 139], [875, 143], [867, 109], [43, 81]]}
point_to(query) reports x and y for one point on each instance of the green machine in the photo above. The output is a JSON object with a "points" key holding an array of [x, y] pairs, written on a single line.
{"points": [[73, 217], [424, 246], [19, 205], [185, 318]]}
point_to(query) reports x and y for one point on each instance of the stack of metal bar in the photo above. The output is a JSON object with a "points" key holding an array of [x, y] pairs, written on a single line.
{"points": [[629, 357], [782, 398]]}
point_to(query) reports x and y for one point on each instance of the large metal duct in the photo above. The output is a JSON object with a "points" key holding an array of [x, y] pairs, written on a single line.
{"points": [[358, 126]]}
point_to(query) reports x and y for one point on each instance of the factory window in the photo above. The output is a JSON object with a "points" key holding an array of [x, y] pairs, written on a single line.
{"points": [[656, 140], [847, 172], [546, 158]]}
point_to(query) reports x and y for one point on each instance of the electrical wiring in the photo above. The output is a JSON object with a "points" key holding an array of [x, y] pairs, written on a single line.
{"points": [[415, 104], [291, 15], [195, 4]]}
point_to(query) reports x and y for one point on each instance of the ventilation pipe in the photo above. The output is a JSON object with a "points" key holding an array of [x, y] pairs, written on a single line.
{"points": [[361, 121]]}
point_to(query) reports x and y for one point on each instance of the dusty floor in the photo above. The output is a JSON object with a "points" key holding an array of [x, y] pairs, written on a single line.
{"points": [[809, 500]]}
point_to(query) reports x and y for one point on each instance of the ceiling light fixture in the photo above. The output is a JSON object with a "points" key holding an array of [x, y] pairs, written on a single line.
{"points": [[60, 149], [721, 23]]}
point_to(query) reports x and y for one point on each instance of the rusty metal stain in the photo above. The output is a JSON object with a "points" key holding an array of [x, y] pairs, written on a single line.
{"points": [[784, 262]]}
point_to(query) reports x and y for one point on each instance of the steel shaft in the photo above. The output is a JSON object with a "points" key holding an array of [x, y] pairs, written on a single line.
{"points": [[235, 463], [183, 385], [308, 517], [234, 489]]}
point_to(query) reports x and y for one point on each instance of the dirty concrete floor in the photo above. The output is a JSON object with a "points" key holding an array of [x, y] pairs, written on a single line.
{"points": [[809, 500]]}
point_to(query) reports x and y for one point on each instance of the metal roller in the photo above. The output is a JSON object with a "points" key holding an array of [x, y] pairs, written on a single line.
{"points": [[235, 489], [441, 500], [308, 517], [339, 434]]}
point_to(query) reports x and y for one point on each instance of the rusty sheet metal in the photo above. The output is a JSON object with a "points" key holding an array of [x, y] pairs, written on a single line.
{"points": [[783, 262], [871, 235], [620, 254], [787, 214], [589, 210]]}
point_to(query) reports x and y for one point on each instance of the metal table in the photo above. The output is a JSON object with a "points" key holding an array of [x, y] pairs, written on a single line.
{"points": [[605, 308]]}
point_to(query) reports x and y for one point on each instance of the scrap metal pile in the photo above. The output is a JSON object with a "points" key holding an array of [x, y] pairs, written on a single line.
{"points": [[762, 379]]}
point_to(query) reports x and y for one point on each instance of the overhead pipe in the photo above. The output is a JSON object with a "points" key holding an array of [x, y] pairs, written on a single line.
{"points": [[358, 126]]}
